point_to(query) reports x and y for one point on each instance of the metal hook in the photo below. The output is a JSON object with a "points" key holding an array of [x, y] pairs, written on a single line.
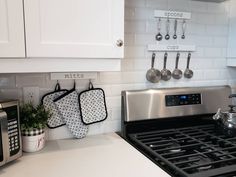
{"points": [[74, 87], [90, 84], [57, 86]]}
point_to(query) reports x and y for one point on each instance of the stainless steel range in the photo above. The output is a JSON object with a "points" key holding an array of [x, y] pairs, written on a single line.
{"points": [[174, 128]]}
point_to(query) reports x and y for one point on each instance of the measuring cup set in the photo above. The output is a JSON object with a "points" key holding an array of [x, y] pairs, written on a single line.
{"points": [[167, 36], [154, 75]]}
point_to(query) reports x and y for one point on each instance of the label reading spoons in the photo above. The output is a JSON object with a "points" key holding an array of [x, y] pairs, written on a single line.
{"points": [[159, 36]]}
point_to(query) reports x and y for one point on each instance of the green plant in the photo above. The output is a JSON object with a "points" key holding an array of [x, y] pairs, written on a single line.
{"points": [[33, 117]]}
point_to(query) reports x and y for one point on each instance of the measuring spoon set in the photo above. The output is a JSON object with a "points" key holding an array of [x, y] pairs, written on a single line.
{"points": [[167, 36], [154, 75]]}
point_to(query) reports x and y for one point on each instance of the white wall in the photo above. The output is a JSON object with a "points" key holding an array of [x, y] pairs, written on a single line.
{"points": [[207, 29]]}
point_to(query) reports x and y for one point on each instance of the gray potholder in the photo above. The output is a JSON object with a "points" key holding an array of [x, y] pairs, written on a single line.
{"points": [[68, 106], [56, 119], [92, 105]]}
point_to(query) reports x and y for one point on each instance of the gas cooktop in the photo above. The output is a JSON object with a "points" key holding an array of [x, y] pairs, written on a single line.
{"points": [[175, 129]]}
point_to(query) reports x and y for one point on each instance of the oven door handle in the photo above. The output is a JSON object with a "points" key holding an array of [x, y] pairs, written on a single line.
{"points": [[5, 139]]}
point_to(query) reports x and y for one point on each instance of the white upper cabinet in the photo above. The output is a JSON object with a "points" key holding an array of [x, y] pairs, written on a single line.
{"points": [[74, 28], [11, 29], [231, 50]]}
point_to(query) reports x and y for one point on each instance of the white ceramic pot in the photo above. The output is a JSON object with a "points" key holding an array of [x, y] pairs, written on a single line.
{"points": [[33, 143]]}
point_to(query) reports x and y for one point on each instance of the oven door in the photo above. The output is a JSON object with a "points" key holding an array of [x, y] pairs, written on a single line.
{"points": [[4, 147]]}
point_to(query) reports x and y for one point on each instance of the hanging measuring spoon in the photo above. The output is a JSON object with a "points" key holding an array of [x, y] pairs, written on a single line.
{"points": [[183, 29], [159, 36], [175, 29], [167, 36]]}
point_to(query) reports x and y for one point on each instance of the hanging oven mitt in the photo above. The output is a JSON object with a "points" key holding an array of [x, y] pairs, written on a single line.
{"points": [[92, 105], [68, 106], [56, 119]]}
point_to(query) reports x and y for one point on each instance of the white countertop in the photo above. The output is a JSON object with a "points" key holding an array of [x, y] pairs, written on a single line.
{"points": [[105, 155]]}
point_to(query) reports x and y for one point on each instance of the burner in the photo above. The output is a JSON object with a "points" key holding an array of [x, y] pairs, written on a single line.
{"points": [[203, 160], [176, 146]]}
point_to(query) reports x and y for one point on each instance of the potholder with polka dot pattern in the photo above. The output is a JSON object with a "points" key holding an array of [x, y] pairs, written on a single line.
{"points": [[92, 105], [56, 119], [68, 106]]}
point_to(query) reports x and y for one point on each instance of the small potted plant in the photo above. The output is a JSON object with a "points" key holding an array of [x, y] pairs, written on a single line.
{"points": [[33, 121]]}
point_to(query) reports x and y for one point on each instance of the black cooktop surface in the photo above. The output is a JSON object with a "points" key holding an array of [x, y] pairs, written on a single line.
{"points": [[191, 148]]}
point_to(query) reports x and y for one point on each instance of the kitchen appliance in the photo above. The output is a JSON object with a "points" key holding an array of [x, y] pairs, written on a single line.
{"points": [[10, 142], [227, 119], [153, 75], [174, 128]]}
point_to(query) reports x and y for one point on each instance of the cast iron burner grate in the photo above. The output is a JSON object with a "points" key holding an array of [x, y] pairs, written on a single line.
{"points": [[198, 151]]}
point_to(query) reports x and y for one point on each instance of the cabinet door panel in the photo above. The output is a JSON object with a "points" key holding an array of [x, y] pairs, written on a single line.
{"points": [[11, 29], [231, 52], [74, 28]]}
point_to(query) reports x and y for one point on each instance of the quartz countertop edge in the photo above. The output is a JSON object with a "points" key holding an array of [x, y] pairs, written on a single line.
{"points": [[103, 155]]}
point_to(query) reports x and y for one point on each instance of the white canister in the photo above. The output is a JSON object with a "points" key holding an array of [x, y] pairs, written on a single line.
{"points": [[33, 143]]}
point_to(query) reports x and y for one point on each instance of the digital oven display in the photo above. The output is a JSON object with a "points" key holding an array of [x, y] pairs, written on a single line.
{"points": [[180, 100]]}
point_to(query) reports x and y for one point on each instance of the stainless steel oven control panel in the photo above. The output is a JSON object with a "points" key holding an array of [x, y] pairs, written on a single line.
{"points": [[183, 99], [173, 102]]}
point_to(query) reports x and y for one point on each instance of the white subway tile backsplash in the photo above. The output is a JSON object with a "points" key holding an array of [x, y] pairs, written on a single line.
{"points": [[95, 129], [209, 83], [208, 30], [151, 26], [217, 30], [139, 77], [24, 80], [129, 39], [194, 28], [116, 114], [213, 52], [129, 13], [135, 51], [202, 40], [219, 63], [212, 74], [110, 78], [143, 14], [7, 81], [58, 133], [127, 65], [221, 19], [157, 4], [111, 126], [113, 102], [205, 18], [217, 8], [179, 5], [199, 52], [144, 39], [135, 3], [106, 88], [198, 6], [220, 41], [134, 27], [143, 64], [117, 89], [11, 93]]}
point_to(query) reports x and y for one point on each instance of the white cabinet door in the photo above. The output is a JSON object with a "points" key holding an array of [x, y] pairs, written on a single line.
{"points": [[11, 29], [231, 50], [74, 28], [232, 31]]}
